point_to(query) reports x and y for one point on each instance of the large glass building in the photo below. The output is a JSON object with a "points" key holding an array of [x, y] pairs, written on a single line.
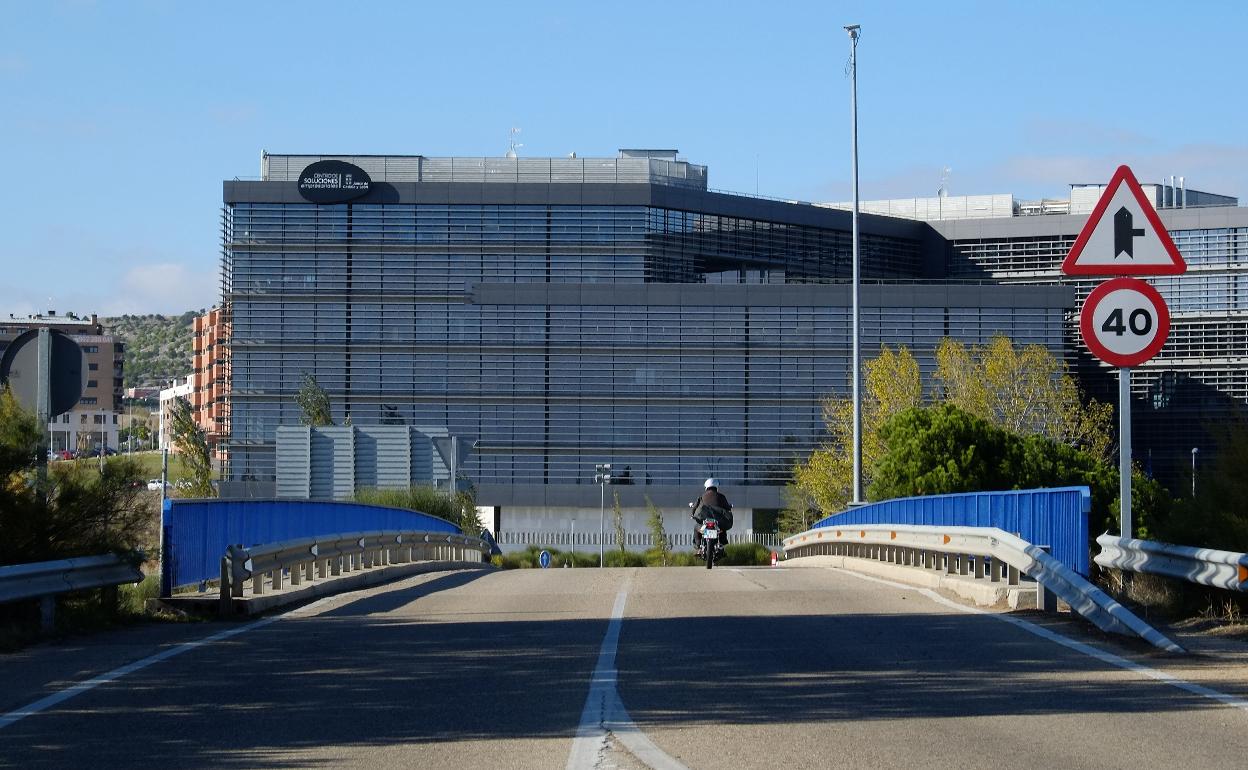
{"points": [[559, 313]]}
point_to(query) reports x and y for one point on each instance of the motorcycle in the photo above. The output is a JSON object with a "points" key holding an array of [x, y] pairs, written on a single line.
{"points": [[712, 544]]}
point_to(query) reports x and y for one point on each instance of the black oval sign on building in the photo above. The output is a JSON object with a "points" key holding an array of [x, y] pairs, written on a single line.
{"points": [[333, 181]]}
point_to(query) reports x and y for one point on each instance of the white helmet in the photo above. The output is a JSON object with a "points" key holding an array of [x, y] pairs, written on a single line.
{"points": [[711, 483]]}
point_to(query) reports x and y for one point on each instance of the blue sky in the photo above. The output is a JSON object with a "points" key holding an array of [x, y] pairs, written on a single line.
{"points": [[119, 120]]}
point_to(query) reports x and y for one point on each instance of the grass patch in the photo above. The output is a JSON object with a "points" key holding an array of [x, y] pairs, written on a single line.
{"points": [[148, 462]]}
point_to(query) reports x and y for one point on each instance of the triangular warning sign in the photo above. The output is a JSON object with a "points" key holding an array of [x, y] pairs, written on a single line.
{"points": [[1124, 235]]}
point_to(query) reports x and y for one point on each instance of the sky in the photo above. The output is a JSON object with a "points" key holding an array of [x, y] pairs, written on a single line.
{"points": [[120, 120]]}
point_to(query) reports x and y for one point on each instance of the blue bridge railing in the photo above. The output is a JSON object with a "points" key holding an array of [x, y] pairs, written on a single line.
{"points": [[197, 532], [1057, 518]]}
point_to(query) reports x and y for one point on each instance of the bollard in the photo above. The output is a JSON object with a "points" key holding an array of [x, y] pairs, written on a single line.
{"points": [[225, 607]]}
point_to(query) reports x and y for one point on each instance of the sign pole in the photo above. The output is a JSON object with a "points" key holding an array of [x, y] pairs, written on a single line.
{"points": [[1124, 450], [43, 412]]}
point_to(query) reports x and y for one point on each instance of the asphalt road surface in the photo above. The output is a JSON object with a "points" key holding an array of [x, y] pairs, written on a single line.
{"points": [[728, 668]]}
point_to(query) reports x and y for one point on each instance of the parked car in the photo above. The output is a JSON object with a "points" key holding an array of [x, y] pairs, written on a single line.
{"points": [[153, 485]]}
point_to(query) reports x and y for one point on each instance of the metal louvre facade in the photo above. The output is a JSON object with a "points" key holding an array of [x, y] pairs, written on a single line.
{"points": [[673, 332]]}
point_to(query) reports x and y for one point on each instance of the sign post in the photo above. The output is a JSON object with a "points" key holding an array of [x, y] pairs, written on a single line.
{"points": [[1124, 321]]}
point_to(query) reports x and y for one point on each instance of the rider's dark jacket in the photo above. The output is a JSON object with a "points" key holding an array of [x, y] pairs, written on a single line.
{"points": [[713, 501]]}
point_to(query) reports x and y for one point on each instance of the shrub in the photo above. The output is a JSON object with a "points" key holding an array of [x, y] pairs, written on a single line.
{"points": [[132, 598], [746, 555], [459, 509]]}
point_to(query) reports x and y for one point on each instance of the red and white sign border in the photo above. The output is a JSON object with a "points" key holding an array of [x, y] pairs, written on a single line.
{"points": [[1123, 175], [1089, 333]]}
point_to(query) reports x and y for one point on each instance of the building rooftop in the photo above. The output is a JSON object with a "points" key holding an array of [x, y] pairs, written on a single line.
{"points": [[632, 166], [50, 317], [1081, 200]]}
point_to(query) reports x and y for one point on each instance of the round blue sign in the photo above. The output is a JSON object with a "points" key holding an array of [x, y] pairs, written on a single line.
{"points": [[544, 559]]}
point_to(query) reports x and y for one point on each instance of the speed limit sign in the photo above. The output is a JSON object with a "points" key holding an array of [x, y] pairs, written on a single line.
{"points": [[1124, 322]]}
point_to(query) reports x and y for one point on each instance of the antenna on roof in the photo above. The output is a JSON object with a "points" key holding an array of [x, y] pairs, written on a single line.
{"points": [[512, 145], [945, 173]]}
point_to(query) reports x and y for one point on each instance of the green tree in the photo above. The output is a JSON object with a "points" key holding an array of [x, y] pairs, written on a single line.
{"points": [[86, 512], [617, 519], [943, 449], [314, 402], [1024, 390], [800, 511], [19, 440], [661, 549], [824, 481], [192, 445]]}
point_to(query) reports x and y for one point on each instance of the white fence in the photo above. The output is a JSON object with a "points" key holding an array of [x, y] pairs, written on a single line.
{"points": [[633, 541]]}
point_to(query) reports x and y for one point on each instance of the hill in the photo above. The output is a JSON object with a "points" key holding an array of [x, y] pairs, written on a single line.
{"points": [[158, 347]]}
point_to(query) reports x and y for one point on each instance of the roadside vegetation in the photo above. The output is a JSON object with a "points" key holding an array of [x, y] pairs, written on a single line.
{"points": [[998, 417], [76, 510], [459, 509]]}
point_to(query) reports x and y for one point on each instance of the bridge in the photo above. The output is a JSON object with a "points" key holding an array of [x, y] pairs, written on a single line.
{"points": [[869, 647], [627, 668]]}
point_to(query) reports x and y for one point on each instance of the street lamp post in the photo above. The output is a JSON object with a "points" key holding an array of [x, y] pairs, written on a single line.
{"points": [[853, 30], [1194, 451], [602, 476]]}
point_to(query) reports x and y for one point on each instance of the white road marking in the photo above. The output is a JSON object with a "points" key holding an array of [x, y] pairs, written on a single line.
{"points": [[604, 712], [45, 703], [1080, 647]]}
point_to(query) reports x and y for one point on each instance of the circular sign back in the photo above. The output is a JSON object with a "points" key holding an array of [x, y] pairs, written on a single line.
{"points": [[1124, 322]]}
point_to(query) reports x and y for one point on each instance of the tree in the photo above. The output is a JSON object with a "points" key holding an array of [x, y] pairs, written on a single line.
{"points": [[617, 518], [314, 402], [824, 481], [661, 548], [85, 512], [799, 513], [1024, 390], [943, 449], [192, 445], [19, 438]]}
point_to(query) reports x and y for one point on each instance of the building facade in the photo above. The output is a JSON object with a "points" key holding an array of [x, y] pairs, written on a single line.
{"points": [[558, 313], [168, 396], [94, 421], [210, 377]]}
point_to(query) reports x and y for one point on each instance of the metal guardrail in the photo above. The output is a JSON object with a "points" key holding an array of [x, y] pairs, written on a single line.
{"points": [[325, 558], [981, 551], [1219, 569], [45, 580]]}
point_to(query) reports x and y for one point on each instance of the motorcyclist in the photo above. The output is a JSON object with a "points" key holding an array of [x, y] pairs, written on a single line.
{"points": [[711, 504]]}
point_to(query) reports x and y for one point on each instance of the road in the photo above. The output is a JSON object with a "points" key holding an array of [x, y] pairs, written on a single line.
{"points": [[724, 669]]}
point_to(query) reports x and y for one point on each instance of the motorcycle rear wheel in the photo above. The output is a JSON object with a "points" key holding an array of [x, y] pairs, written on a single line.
{"points": [[710, 555]]}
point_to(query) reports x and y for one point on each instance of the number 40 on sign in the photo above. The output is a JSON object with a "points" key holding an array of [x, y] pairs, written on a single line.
{"points": [[1124, 322]]}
